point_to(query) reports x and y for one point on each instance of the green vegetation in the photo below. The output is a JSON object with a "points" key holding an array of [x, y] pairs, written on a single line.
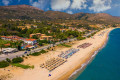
{"points": [[66, 45], [38, 53], [4, 64], [8, 60], [22, 66], [43, 51], [17, 60], [4, 41], [12, 44], [80, 38], [42, 42], [86, 26]]}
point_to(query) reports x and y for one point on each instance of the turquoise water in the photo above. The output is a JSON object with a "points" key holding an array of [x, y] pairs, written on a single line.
{"points": [[106, 64]]}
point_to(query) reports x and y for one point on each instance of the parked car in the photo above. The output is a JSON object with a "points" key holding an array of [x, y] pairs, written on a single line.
{"points": [[25, 52]]}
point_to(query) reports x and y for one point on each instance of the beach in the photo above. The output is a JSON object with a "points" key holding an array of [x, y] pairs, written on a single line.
{"points": [[64, 71], [105, 65]]}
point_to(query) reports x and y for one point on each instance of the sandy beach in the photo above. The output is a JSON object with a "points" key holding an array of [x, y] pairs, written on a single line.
{"points": [[63, 71]]}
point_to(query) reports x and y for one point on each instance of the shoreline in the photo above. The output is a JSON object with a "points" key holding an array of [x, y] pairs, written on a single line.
{"points": [[63, 72], [82, 66]]}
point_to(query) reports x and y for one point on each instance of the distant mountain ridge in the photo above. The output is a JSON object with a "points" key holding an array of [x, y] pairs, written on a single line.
{"points": [[30, 12]]}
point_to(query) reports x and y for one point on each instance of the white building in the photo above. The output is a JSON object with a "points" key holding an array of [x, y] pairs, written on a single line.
{"points": [[30, 41], [9, 50]]}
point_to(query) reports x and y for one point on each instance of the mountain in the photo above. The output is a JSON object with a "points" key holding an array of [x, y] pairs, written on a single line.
{"points": [[57, 15], [20, 12], [30, 12]]}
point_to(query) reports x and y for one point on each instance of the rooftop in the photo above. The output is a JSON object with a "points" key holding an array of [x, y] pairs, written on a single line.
{"points": [[30, 39]]}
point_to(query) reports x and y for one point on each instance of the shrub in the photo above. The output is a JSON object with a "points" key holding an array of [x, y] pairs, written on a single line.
{"points": [[80, 38], [17, 60], [40, 44], [36, 54], [65, 45], [27, 54], [22, 66], [4, 64], [8, 60], [23, 56], [42, 51]]}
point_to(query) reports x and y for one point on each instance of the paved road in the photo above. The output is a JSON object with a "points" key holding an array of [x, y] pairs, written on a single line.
{"points": [[20, 53]]}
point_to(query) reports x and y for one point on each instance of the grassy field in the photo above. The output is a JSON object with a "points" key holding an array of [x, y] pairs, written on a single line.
{"points": [[66, 45], [22, 66], [38, 53]]}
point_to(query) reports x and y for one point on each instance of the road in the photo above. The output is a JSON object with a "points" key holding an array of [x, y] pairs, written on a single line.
{"points": [[21, 53]]}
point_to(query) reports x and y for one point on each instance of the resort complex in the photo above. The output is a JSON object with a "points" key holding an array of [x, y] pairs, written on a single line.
{"points": [[47, 44]]}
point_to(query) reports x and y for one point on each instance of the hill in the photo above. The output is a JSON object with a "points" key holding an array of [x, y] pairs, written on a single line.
{"points": [[30, 12]]}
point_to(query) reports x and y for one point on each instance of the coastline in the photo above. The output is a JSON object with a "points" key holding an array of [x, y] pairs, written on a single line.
{"points": [[88, 59], [64, 71]]}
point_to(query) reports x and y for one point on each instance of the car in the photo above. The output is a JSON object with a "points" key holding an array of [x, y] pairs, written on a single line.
{"points": [[25, 52], [29, 50]]}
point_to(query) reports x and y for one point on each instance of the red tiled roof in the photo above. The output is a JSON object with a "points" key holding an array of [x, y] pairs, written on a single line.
{"points": [[3, 36], [7, 44], [27, 46], [30, 39], [12, 37]]}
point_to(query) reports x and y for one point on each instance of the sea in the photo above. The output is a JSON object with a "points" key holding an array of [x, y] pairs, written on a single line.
{"points": [[105, 65]]}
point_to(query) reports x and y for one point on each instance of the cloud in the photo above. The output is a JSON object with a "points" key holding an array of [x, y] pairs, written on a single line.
{"points": [[59, 5], [40, 3], [6, 2], [30, 1], [100, 5], [79, 4], [69, 12]]}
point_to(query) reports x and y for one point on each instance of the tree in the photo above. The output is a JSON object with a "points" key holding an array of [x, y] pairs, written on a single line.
{"points": [[40, 44], [19, 48], [17, 60], [35, 37], [4, 64], [8, 60]]}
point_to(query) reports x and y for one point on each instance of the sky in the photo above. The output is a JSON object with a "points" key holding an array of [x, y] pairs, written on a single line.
{"points": [[111, 7]]}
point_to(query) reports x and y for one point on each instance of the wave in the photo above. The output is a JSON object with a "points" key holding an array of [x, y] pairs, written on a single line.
{"points": [[85, 64]]}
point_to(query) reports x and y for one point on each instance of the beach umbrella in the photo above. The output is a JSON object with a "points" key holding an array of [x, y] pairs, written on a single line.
{"points": [[49, 74]]}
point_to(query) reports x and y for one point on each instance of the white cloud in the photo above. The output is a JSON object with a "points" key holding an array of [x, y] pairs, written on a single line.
{"points": [[69, 12], [30, 1], [6, 2], [79, 4], [40, 4], [60, 4], [100, 5]]}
